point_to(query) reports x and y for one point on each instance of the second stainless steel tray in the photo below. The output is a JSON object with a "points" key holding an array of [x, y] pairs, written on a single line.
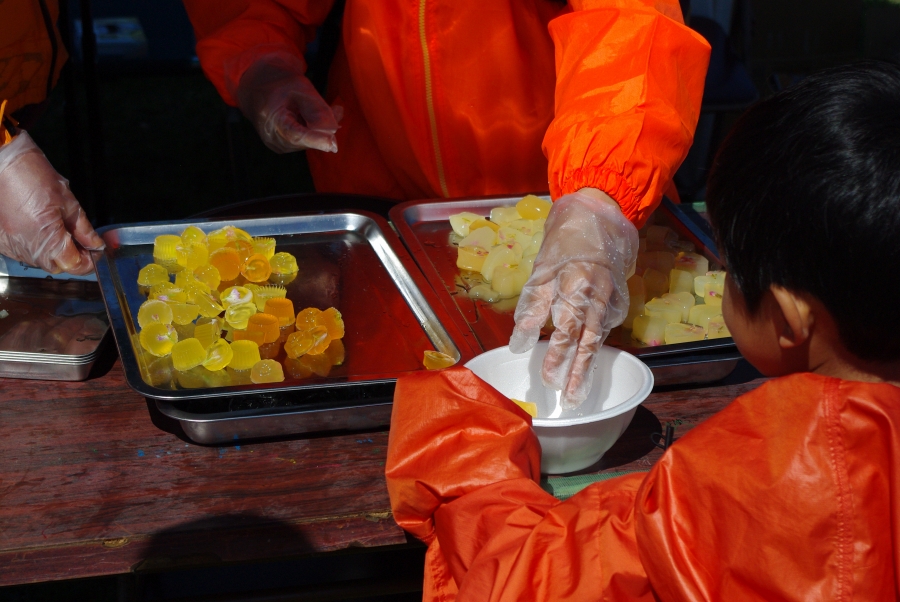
{"points": [[425, 229], [351, 261]]}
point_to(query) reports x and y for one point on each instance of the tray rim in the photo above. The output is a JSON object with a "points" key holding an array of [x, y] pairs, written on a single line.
{"points": [[398, 217], [104, 267]]}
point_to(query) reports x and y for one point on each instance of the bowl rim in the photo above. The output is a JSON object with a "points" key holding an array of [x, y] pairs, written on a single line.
{"points": [[620, 408]]}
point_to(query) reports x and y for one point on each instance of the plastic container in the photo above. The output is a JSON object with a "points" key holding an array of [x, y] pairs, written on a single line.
{"points": [[570, 439]]}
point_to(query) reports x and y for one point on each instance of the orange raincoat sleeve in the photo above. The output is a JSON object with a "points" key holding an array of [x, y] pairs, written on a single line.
{"points": [[787, 494], [463, 472], [629, 83], [232, 34]]}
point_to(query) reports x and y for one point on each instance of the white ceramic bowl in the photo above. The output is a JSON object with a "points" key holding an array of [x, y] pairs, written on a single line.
{"points": [[570, 439]]}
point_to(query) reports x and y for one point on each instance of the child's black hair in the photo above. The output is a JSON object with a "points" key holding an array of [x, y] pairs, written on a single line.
{"points": [[805, 193]]}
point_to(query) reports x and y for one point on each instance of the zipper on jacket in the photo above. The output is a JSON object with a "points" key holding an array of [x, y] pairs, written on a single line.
{"points": [[429, 99]]}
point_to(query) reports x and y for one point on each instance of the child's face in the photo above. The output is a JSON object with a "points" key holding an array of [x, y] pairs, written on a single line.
{"points": [[755, 335]]}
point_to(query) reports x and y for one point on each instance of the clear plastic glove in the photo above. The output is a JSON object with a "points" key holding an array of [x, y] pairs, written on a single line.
{"points": [[588, 253], [285, 108], [41, 222]]}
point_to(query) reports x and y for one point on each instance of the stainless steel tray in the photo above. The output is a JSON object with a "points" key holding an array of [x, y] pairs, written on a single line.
{"points": [[352, 261], [51, 327], [424, 228]]}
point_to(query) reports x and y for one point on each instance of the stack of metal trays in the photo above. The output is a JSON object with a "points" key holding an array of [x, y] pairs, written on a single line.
{"points": [[425, 229], [51, 327], [352, 261]]}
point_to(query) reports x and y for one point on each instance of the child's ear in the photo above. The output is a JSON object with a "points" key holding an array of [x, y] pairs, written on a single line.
{"points": [[797, 314]]}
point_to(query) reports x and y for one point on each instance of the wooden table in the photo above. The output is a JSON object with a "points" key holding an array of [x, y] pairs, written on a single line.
{"points": [[89, 485]]}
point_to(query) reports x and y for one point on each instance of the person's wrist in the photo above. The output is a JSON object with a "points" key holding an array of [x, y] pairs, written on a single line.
{"points": [[596, 193]]}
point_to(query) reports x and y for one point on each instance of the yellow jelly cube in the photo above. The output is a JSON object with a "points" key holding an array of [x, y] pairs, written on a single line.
{"points": [[504, 215], [158, 339], [700, 281], [696, 264], [435, 360], [664, 308], [650, 330], [482, 223], [485, 238], [508, 281], [164, 247], [685, 300], [683, 333], [702, 314], [681, 281], [461, 222], [471, 258], [152, 274], [188, 354], [184, 313], [529, 406], [507, 255], [154, 311], [193, 234], [532, 207], [245, 355]]}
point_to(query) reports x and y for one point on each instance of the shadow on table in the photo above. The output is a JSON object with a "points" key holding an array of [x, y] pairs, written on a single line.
{"points": [[251, 557]]}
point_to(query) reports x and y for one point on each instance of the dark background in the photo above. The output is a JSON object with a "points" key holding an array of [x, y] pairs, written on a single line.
{"points": [[166, 147]]}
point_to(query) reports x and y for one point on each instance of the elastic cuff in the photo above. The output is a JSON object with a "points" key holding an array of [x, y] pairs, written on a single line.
{"points": [[611, 182]]}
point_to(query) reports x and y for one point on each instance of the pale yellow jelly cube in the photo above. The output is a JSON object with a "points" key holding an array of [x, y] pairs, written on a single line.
{"points": [[656, 284], [635, 300], [537, 240], [539, 224], [471, 258], [658, 238], [701, 281], [508, 235], [661, 261], [480, 237], [500, 255], [461, 222], [681, 282], [527, 264], [508, 281], [483, 223], [683, 333], [717, 329], [700, 315], [504, 215], [683, 300], [484, 292], [525, 226], [664, 308], [696, 264], [712, 294], [532, 207], [650, 330]]}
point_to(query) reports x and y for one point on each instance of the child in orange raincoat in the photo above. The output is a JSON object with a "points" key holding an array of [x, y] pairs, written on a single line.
{"points": [[792, 491]]}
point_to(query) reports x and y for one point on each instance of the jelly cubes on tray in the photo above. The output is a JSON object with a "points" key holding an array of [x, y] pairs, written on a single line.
{"points": [[674, 298], [226, 314], [499, 251]]}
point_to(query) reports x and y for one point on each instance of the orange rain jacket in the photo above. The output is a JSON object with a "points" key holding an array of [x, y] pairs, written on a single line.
{"points": [[31, 52], [451, 98], [789, 493]]}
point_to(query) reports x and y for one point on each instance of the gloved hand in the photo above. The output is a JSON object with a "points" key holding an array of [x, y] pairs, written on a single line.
{"points": [[39, 216], [285, 108], [588, 253]]}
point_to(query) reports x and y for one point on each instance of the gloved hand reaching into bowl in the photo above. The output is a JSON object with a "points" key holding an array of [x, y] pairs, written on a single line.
{"points": [[579, 276]]}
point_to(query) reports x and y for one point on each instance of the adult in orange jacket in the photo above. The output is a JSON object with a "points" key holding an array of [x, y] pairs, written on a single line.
{"points": [[787, 494], [41, 222], [441, 98]]}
